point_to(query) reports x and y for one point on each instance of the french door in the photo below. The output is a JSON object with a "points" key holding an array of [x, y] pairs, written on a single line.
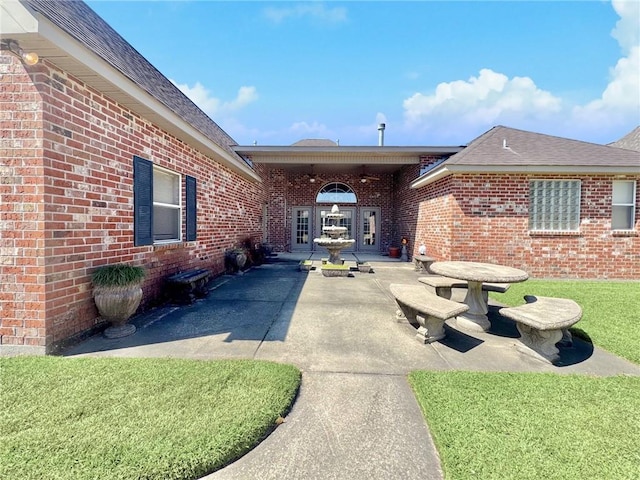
{"points": [[369, 229], [301, 235], [363, 224]]}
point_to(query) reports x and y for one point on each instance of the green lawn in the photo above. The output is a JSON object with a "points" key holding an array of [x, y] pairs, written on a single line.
{"points": [[83, 418], [532, 426], [610, 309]]}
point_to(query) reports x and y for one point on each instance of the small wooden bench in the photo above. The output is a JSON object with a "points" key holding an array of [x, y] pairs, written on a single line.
{"points": [[542, 323], [442, 286], [185, 287], [430, 311], [423, 262]]}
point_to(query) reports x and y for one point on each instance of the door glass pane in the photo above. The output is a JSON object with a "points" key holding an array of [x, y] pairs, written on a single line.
{"points": [[301, 225], [369, 222], [345, 221]]}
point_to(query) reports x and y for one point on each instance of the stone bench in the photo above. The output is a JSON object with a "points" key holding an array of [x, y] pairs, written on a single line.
{"points": [[184, 287], [442, 286], [423, 262], [430, 311], [542, 323]]}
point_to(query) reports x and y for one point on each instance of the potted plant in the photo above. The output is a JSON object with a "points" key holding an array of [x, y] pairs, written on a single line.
{"points": [[117, 293], [235, 259]]}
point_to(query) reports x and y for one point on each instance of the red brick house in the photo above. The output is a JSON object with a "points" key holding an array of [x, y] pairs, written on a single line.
{"points": [[104, 160], [74, 127], [553, 206]]}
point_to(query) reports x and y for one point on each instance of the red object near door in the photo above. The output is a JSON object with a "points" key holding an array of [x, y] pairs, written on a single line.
{"points": [[394, 252]]}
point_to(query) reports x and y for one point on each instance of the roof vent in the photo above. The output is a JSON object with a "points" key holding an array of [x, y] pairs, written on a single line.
{"points": [[381, 128]]}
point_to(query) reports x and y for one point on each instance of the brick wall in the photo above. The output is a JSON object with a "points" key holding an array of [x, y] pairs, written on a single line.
{"points": [[68, 154], [22, 213], [287, 189], [485, 218]]}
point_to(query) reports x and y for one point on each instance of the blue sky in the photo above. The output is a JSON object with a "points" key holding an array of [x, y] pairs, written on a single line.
{"points": [[437, 73]]}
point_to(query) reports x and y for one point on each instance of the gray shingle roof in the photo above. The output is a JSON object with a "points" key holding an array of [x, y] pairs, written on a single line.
{"points": [[315, 142], [77, 19], [503, 146], [631, 141]]}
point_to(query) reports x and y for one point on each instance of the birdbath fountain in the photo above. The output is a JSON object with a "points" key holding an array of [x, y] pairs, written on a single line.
{"points": [[334, 243]]}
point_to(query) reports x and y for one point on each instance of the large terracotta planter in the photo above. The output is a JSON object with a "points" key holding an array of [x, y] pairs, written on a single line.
{"points": [[394, 252], [116, 304]]}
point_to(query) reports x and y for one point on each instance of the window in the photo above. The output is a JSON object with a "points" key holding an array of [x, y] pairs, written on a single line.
{"points": [[167, 208], [554, 205], [623, 205], [336, 193], [157, 203]]}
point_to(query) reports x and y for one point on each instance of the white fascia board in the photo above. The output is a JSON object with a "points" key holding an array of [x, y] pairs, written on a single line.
{"points": [[15, 19], [445, 170], [431, 177], [555, 169], [91, 61]]}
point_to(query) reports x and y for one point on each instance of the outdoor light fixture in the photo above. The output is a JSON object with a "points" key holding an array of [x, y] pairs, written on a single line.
{"points": [[12, 46]]}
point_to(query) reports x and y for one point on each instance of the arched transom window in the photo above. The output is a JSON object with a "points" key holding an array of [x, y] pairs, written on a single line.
{"points": [[336, 193]]}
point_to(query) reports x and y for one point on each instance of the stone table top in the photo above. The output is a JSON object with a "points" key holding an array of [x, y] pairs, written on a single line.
{"points": [[479, 272]]}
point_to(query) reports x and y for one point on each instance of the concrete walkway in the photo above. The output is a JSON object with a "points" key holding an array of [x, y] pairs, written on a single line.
{"points": [[355, 416]]}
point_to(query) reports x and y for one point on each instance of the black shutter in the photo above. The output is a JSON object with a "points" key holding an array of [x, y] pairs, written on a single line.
{"points": [[191, 208], [142, 201]]}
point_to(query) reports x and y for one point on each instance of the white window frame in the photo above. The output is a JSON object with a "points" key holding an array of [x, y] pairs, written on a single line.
{"points": [[554, 205], [167, 206], [337, 192], [625, 205]]}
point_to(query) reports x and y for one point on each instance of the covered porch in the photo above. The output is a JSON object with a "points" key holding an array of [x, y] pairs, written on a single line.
{"points": [[304, 180]]}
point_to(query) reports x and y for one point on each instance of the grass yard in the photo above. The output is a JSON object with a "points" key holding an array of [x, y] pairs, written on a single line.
{"points": [[532, 426], [609, 309], [83, 418]]}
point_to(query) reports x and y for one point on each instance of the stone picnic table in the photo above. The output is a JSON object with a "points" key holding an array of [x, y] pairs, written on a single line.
{"points": [[476, 273]]}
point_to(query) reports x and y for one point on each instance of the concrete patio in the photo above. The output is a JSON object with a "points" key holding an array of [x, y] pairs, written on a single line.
{"points": [[355, 416]]}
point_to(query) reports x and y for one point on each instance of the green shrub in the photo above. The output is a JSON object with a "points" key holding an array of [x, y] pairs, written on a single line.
{"points": [[117, 275]]}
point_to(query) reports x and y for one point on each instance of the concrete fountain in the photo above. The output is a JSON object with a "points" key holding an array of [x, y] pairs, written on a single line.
{"points": [[334, 241]]}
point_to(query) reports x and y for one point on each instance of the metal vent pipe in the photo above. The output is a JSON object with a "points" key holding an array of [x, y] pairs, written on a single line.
{"points": [[381, 128]]}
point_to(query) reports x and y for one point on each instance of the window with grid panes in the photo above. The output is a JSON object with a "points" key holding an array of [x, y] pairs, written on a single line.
{"points": [[554, 205]]}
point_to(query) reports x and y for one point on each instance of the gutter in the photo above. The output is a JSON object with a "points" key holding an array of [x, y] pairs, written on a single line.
{"points": [[577, 170]]}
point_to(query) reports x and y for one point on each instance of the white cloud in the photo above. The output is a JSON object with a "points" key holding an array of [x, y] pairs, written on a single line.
{"points": [[483, 100], [313, 10], [627, 29], [306, 130], [213, 106], [620, 101], [468, 107]]}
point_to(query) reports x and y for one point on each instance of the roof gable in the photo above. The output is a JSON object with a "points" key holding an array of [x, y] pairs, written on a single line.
{"points": [[631, 141], [503, 146], [78, 20]]}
